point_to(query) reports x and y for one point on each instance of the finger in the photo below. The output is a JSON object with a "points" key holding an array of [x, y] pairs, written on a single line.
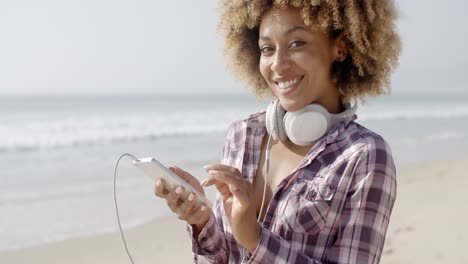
{"points": [[232, 181], [222, 188], [172, 199], [201, 213], [160, 189], [181, 173], [222, 167], [212, 181], [189, 178], [186, 207], [237, 187]]}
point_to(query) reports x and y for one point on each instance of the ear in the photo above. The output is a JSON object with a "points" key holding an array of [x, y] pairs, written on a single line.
{"points": [[340, 48]]}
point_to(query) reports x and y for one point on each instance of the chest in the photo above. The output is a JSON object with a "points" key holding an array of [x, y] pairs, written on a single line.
{"points": [[284, 159]]}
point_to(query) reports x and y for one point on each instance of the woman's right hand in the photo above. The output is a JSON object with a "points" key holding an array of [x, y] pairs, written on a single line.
{"points": [[184, 208]]}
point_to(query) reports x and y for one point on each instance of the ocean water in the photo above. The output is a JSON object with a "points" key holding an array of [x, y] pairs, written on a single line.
{"points": [[57, 153]]}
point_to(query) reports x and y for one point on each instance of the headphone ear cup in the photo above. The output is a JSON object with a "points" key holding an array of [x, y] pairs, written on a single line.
{"points": [[279, 121], [274, 120], [307, 125], [270, 125]]}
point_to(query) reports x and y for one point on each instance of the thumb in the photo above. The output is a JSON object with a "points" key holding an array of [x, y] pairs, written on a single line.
{"points": [[181, 173], [188, 178]]}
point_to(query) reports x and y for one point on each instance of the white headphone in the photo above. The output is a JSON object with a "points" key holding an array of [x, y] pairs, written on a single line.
{"points": [[305, 126]]}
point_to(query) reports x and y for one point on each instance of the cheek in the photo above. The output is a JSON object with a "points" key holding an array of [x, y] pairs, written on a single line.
{"points": [[317, 67], [264, 69]]}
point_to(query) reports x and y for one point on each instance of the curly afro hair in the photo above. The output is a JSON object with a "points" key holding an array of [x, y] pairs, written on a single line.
{"points": [[368, 27]]}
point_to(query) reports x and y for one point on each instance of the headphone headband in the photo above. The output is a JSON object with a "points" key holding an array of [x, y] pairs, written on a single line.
{"points": [[305, 126]]}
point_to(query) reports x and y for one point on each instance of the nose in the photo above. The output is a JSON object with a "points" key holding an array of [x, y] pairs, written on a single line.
{"points": [[281, 61]]}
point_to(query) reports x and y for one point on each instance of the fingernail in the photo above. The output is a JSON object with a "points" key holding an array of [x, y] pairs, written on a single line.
{"points": [[178, 190], [158, 183], [203, 208], [190, 197], [203, 183], [233, 188]]}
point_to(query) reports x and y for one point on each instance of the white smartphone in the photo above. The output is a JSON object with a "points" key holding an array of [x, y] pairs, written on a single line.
{"points": [[156, 170]]}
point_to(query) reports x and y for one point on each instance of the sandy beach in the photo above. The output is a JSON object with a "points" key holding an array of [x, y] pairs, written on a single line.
{"points": [[428, 222], [426, 227]]}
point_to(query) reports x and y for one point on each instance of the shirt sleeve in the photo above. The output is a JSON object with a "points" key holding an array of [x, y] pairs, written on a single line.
{"points": [[210, 246], [364, 218]]}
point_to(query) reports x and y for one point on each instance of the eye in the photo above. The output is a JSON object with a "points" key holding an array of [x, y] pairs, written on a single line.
{"points": [[297, 43], [266, 49]]}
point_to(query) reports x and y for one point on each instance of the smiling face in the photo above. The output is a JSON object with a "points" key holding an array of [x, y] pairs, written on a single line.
{"points": [[296, 61]]}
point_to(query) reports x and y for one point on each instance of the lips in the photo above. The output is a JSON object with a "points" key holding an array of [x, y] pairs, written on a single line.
{"points": [[286, 85]]}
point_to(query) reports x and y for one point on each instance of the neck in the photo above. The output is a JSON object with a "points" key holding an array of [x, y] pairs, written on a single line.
{"points": [[332, 100], [333, 104]]}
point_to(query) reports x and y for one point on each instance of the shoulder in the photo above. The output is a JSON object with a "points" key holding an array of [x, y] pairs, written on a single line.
{"points": [[374, 170], [253, 120], [239, 134], [364, 138], [374, 156], [241, 128], [372, 144], [356, 144], [356, 138]]}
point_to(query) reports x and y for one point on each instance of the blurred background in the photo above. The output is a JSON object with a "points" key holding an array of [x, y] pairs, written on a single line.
{"points": [[82, 82]]}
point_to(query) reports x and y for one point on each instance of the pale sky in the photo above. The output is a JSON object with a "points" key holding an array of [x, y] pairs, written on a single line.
{"points": [[151, 46]]}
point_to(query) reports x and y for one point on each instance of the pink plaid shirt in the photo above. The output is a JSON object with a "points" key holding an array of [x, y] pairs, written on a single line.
{"points": [[333, 208]]}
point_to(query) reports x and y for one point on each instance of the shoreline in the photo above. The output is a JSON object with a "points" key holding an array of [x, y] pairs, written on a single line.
{"points": [[163, 240], [426, 226]]}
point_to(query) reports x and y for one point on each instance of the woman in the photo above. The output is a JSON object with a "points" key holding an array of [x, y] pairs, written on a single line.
{"points": [[327, 199]]}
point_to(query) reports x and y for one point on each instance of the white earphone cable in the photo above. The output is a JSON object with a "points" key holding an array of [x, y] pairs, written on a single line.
{"points": [[115, 203], [267, 170]]}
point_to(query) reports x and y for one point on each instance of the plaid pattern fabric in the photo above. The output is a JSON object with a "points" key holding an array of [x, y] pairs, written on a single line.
{"points": [[333, 208]]}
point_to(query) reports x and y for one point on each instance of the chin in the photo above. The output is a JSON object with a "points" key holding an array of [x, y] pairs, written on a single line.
{"points": [[291, 105]]}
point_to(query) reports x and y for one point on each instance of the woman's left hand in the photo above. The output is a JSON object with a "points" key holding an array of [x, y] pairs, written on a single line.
{"points": [[239, 203]]}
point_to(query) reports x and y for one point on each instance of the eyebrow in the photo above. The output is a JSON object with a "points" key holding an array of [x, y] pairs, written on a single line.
{"points": [[289, 31]]}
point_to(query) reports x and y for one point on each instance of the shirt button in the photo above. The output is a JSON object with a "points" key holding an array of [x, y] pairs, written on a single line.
{"points": [[312, 195]]}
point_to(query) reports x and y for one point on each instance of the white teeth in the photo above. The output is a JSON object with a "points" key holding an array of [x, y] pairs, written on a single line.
{"points": [[285, 85]]}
